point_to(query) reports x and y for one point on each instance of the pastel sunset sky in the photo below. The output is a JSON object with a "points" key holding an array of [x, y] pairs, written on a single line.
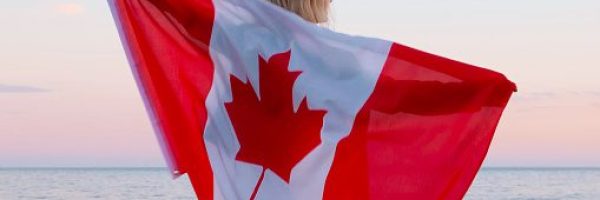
{"points": [[68, 98]]}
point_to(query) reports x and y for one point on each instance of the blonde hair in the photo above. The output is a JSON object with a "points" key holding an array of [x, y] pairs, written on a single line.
{"points": [[315, 11]]}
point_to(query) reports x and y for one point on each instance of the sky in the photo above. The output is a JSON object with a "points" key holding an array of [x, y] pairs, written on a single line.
{"points": [[68, 98]]}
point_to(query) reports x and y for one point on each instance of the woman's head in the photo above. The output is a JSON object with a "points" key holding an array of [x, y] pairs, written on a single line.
{"points": [[315, 11]]}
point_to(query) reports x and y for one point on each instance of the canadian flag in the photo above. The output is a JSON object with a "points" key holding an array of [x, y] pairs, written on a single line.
{"points": [[252, 102]]}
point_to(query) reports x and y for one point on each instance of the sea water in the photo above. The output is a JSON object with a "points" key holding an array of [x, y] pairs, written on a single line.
{"points": [[156, 183]]}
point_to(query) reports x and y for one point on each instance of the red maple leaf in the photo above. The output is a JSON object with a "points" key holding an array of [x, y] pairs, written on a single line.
{"points": [[270, 133]]}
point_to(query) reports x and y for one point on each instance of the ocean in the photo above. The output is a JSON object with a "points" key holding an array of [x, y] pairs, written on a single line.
{"points": [[156, 183]]}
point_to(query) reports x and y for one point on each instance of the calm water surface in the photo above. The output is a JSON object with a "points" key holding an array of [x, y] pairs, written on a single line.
{"points": [[495, 183]]}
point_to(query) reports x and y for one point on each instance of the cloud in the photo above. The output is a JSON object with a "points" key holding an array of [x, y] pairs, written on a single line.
{"points": [[69, 9], [535, 96], [547, 100], [20, 89], [595, 93], [556, 95]]}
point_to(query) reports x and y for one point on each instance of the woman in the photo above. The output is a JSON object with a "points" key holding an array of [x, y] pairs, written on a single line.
{"points": [[315, 11]]}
